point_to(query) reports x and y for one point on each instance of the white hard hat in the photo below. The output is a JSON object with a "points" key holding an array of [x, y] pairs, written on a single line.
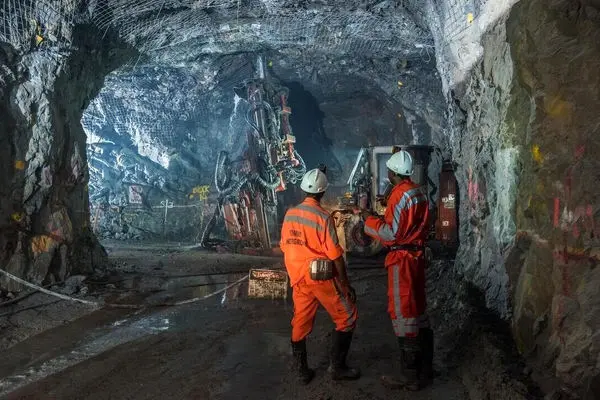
{"points": [[401, 163], [314, 181]]}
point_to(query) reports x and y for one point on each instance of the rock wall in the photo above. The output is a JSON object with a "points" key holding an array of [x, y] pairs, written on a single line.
{"points": [[153, 135], [557, 289], [45, 231], [525, 139]]}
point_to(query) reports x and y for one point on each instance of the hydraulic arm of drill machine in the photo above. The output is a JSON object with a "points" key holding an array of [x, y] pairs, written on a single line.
{"points": [[248, 186]]}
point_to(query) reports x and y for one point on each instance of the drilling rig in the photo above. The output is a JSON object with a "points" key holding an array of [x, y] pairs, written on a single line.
{"points": [[247, 186]]}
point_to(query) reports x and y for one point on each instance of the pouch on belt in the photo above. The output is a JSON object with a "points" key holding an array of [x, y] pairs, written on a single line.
{"points": [[321, 270]]}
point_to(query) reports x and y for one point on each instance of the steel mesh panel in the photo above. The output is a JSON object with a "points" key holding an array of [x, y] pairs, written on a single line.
{"points": [[22, 20], [234, 25]]}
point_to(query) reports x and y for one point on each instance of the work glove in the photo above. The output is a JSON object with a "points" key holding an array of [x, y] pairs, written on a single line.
{"points": [[351, 294]]}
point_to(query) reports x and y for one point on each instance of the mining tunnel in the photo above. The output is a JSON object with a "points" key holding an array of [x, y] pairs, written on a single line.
{"points": [[149, 150]]}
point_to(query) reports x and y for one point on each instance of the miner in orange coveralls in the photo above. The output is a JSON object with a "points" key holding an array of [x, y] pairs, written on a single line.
{"points": [[403, 229], [315, 264]]}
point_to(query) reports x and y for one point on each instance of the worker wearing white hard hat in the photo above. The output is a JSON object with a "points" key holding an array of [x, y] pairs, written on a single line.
{"points": [[315, 264], [314, 182], [403, 229], [401, 164]]}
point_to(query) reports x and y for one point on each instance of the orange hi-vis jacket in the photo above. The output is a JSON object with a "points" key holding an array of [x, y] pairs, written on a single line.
{"points": [[406, 217], [405, 222], [308, 233]]}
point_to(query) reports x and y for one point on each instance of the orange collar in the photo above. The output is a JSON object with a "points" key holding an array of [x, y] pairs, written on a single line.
{"points": [[311, 201]]}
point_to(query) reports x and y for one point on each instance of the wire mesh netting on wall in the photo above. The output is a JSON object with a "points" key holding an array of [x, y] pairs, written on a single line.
{"points": [[24, 23], [215, 25], [456, 16], [153, 24], [143, 120]]}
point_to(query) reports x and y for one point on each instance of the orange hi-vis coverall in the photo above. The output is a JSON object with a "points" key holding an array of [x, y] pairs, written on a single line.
{"points": [[405, 222], [308, 233]]}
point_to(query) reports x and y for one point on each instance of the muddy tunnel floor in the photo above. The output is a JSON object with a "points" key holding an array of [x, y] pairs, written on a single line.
{"points": [[233, 347]]}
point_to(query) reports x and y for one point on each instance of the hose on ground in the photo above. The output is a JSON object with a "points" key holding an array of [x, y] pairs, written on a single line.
{"points": [[113, 305]]}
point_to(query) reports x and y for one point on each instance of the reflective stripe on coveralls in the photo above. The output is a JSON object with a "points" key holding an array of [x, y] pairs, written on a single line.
{"points": [[307, 222], [405, 223], [311, 209], [350, 309], [409, 199], [404, 327], [303, 221], [308, 233]]}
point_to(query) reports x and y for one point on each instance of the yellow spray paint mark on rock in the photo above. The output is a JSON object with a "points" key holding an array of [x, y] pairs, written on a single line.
{"points": [[537, 155], [200, 191], [38, 40], [270, 64], [41, 244], [557, 107], [400, 84], [539, 187], [20, 165], [470, 18], [17, 217]]}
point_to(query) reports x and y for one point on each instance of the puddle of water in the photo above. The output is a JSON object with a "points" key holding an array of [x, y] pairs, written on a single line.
{"points": [[197, 287]]}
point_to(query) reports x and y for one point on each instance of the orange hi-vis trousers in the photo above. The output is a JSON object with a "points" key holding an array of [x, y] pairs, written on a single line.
{"points": [[406, 292], [306, 299]]}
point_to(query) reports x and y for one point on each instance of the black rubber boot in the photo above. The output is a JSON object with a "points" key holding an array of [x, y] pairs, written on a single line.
{"points": [[426, 373], [410, 362], [305, 374], [338, 369]]}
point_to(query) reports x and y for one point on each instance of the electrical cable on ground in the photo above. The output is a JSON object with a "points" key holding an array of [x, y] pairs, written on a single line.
{"points": [[26, 295], [7, 314], [41, 289], [113, 305]]}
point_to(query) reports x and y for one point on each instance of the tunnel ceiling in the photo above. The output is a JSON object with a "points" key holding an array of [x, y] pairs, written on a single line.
{"points": [[181, 31], [326, 43], [169, 106]]}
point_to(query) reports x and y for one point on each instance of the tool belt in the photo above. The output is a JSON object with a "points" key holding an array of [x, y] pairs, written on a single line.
{"points": [[409, 247], [321, 270]]}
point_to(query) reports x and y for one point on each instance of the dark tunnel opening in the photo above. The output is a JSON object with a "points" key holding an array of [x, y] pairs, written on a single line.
{"points": [[307, 120]]}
